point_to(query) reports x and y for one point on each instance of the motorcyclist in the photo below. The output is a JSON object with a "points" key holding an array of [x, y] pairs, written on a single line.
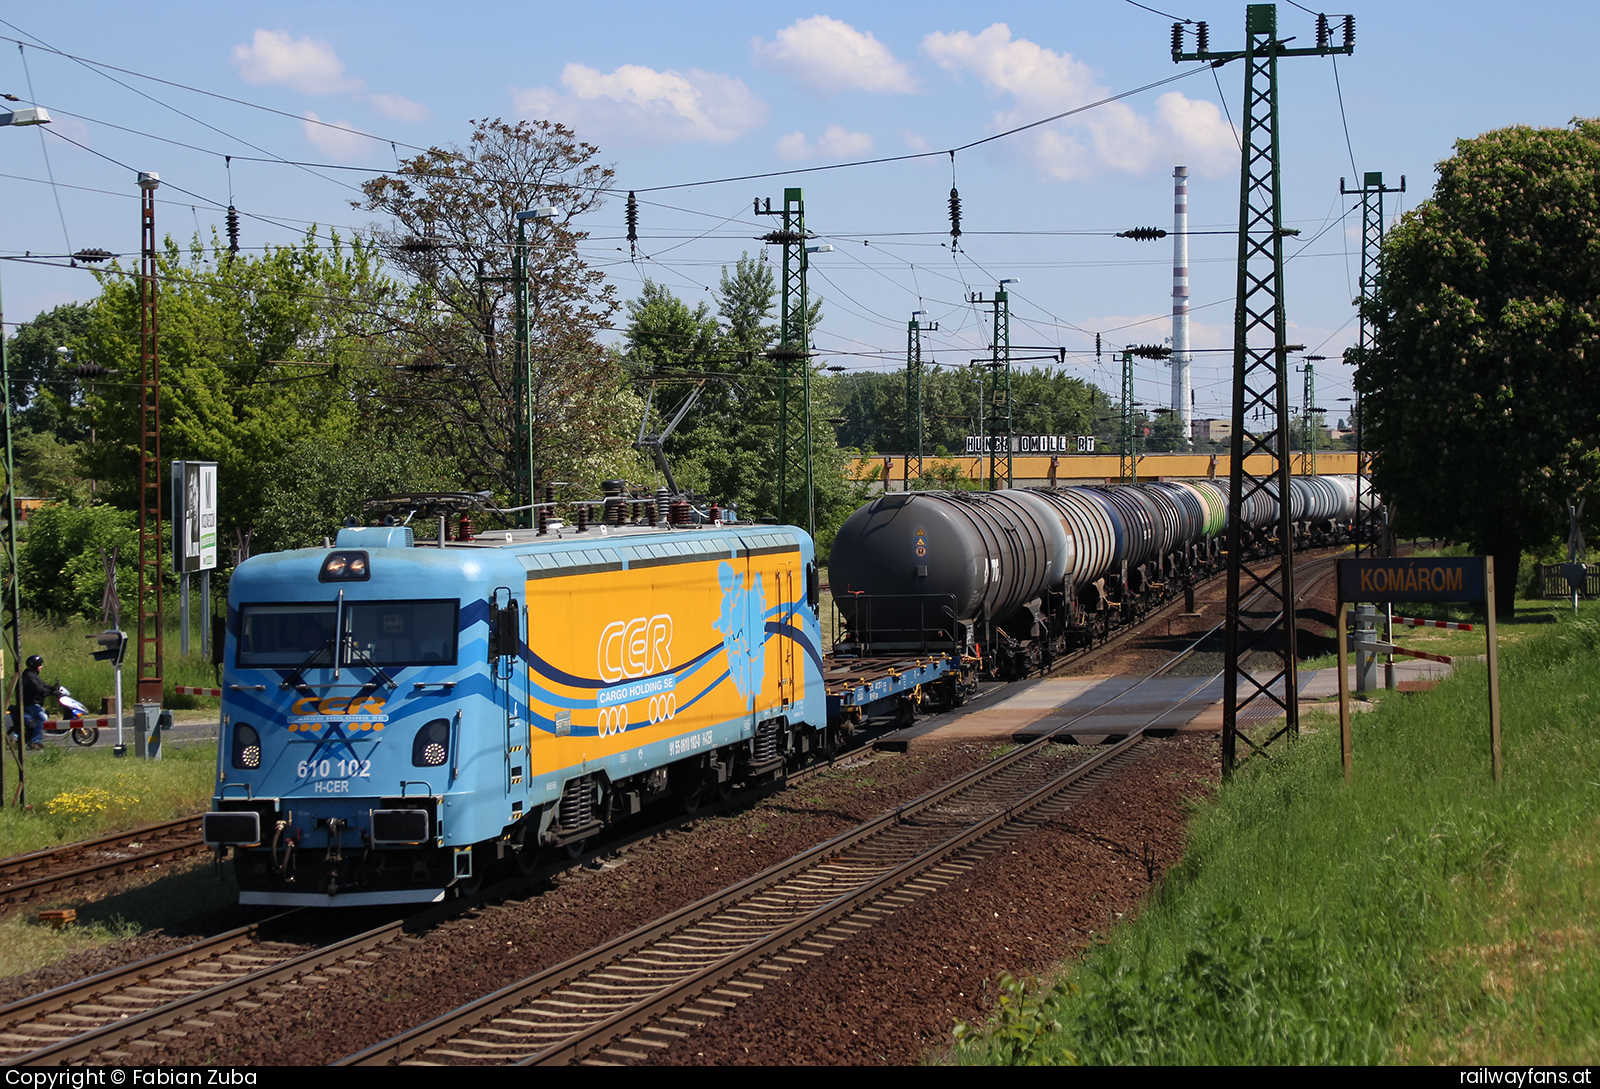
{"points": [[34, 693]]}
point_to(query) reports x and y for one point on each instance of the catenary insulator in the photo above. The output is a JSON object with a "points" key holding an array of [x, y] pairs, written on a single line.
{"points": [[1349, 31], [1322, 31], [955, 216], [1177, 38], [633, 223], [233, 230], [1203, 35]]}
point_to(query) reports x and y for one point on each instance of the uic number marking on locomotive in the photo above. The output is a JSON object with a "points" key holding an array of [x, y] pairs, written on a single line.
{"points": [[692, 743], [320, 769]]}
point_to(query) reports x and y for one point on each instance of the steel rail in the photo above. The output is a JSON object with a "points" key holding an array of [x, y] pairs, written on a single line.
{"points": [[27, 1024], [34, 860], [496, 1004]]}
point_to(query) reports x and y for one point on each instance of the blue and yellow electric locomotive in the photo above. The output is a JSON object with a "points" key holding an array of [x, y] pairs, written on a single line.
{"points": [[397, 719]]}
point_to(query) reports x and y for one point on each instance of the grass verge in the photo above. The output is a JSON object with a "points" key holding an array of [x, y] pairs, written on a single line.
{"points": [[67, 646], [1418, 913], [78, 793]]}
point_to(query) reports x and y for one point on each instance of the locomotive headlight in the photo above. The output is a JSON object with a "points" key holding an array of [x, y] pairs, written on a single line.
{"points": [[246, 747], [345, 567], [431, 747]]}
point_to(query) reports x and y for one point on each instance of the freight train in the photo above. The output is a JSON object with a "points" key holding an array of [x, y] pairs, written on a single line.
{"points": [[1007, 580], [400, 717]]}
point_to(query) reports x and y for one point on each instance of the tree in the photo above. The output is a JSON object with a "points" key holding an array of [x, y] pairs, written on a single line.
{"points": [[59, 562], [454, 231], [319, 481], [726, 447], [42, 386], [256, 351], [1481, 388]]}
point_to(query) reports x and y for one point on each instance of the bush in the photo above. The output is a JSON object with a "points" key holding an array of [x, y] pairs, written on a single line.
{"points": [[59, 560]]}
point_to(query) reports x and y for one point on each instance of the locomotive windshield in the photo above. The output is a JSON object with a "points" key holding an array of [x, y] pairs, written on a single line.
{"points": [[286, 635], [378, 633], [400, 633]]}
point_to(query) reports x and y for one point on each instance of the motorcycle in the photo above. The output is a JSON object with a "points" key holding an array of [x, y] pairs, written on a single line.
{"points": [[76, 713], [73, 723]]}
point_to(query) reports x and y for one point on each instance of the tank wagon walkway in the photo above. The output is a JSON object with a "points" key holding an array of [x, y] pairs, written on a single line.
{"points": [[1180, 704]]}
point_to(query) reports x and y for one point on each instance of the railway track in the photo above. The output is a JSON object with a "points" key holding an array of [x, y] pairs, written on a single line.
{"points": [[651, 987], [121, 1014], [27, 877]]}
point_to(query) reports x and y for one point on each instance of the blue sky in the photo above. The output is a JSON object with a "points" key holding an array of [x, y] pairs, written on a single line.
{"points": [[675, 94]]}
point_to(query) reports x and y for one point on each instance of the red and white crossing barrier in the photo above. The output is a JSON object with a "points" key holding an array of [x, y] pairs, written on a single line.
{"points": [[74, 723], [1390, 648], [186, 691], [1411, 622]]}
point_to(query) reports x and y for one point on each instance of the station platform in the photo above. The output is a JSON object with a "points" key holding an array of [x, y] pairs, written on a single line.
{"points": [[1092, 708]]}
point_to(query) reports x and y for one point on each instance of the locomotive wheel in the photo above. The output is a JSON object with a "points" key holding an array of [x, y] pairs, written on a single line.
{"points": [[527, 859]]}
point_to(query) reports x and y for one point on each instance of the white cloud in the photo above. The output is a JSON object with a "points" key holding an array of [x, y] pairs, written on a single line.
{"points": [[310, 66], [647, 105], [307, 65], [837, 142], [829, 56], [1041, 82], [913, 140], [399, 107], [344, 141]]}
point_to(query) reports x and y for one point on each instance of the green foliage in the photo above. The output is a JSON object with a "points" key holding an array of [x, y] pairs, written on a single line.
{"points": [[1418, 912], [59, 559], [1481, 388], [873, 404], [318, 481], [726, 447], [43, 387], [49, 468], [257, 351], [1021, 1029]]}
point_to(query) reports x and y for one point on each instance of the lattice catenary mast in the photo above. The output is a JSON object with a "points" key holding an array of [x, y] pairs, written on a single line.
{"points": [[793, 356], [1371, 192], [1260, 385], [151, 680]]}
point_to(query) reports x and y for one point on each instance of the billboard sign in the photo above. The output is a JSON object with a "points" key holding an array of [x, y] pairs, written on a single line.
{"points": [[194, 516]]}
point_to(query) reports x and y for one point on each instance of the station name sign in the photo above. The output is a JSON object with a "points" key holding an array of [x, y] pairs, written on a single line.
{"points": [[1411, 579], [1031, 444]]}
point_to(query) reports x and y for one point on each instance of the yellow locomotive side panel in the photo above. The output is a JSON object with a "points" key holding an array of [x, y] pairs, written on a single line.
{"points": [[623, 659]]}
